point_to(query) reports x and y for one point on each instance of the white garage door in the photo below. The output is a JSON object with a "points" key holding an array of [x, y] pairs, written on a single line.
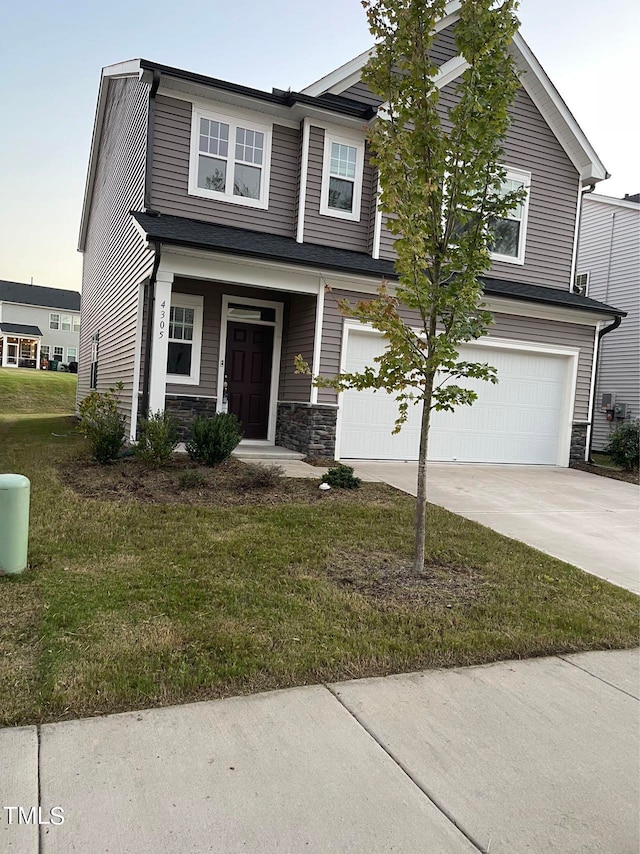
{"points": [[519, 420]]}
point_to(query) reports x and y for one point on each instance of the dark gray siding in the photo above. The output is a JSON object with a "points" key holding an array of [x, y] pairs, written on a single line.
{"points": [[115, 259], [170, 175], [531, 145], [332, 231], [609, 250], [505, 326]]}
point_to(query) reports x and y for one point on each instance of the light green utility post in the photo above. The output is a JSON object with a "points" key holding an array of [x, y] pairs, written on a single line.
{"points": [[14, 522]]}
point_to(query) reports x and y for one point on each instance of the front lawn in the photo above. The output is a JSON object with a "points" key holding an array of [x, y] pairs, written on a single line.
{"points": [[133, 603], [24, 391]]}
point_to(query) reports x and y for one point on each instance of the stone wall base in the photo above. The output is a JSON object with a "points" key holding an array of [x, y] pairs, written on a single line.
{"points": [[308, 428], [186, 409], [578, 443]]}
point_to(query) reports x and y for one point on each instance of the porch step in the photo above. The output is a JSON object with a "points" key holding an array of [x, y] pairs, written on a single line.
{"points": [[265, 453]]}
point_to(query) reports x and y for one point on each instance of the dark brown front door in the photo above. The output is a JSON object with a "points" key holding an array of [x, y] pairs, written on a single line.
{"points": [[248, 375]]}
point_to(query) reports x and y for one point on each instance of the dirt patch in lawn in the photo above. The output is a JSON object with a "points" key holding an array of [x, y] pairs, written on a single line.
{"points": [[388, 577], [604, 471], [231, 484]]}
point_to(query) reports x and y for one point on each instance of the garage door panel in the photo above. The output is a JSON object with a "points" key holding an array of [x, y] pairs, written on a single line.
{"points": [[517, 420]]}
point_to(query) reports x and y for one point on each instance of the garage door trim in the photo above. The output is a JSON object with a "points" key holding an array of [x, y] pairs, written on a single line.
{"points": [[570, 353]]}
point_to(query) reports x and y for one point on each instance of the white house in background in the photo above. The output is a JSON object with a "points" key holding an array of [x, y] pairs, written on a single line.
{"points": [[608, 269], [38, 323]]}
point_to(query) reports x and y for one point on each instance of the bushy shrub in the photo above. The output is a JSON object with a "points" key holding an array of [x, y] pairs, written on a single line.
{"points": [[259, 476], [191, 479], [158, 437], [341, 476], [213, 439], [624, 445], [102, 424]]}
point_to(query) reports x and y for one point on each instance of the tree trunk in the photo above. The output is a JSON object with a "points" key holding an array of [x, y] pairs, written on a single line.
{"points": [[421, 498]]}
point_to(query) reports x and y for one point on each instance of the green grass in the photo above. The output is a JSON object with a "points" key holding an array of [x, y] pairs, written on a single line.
{"points": [[28, 392], [130, 605], [605, 461]]}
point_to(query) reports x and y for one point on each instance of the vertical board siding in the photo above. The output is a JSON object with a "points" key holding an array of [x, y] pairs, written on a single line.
{"points": [[332, 231], [531, 145], [505, 326], [115, 260], [170, 175], [609, 251]]}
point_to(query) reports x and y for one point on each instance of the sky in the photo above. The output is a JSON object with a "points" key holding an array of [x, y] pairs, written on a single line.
{"points": [[52, 54]]}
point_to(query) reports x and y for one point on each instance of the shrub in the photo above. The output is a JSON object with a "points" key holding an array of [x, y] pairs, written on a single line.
{"points": [[624, 445], [158, 437], [341, 477], [191, 479], [102, 424], [213, 439], [258, 476]]}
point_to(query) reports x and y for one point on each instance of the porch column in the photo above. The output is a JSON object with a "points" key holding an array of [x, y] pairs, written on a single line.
{"points": [[38, 341], [159, 343], [5, 351]]}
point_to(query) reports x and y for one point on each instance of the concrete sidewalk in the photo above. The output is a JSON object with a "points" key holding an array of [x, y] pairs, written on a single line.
{"points": [[589, 521], [538, 755]]}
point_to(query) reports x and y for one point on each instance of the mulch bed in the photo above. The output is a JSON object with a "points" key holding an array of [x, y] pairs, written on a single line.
{"points": [[603, 471], [231, 484], [389, 577]]}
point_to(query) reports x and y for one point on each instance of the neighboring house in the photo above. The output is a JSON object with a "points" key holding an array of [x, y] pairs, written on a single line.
{"points": [[38, 323], [221, 224], [608, 269]]}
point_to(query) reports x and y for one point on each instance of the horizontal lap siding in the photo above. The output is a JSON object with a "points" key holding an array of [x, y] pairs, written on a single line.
{"points": [[115, 259], [609, 252], [299, 332], [505, 326], [170, 175], [332, 231]]}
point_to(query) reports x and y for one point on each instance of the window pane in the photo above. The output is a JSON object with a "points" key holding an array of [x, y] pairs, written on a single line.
{"points": [[506, 237], [250, 312], [54, 321], [343, 160], [249, 145], [214, 137], [510, 186], [72, 353], [188, 315], [179, 359], [340, 194], [212, 174], [247, 181], [76, 324]]}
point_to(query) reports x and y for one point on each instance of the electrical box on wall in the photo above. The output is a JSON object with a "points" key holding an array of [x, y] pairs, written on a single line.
{"points": [[607, 402], [620, 410]]}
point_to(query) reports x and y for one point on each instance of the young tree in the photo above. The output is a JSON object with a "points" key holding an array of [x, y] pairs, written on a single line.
{"points": [[444, 193]]}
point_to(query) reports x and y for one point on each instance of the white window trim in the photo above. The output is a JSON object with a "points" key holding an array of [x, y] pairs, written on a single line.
{"points": [[233, 121], [197, 303], [525, 177], [53, 314], [574, 284], [357, 143]]}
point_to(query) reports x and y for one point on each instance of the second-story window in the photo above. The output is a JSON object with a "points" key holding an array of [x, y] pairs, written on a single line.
{"points": [[342, 177], [229, 159]]}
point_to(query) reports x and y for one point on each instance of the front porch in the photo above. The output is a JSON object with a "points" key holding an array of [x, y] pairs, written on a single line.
{"points": [[230, 346]]}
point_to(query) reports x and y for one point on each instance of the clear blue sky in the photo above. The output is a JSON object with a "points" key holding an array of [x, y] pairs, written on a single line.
{"points": [[52, 54]]}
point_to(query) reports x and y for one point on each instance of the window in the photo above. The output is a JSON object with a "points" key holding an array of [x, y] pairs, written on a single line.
{"points": [[342, 177], [581, 284], [510, 233], [72, 354], [58, 354], [76, 323], [54, 321], [93, 364], [44, 351], [66, 323], [185, 339], [229, 159]]}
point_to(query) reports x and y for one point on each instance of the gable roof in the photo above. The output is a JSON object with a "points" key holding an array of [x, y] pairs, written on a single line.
{"points": [[181, 231], [535, 82], [39, 295]]}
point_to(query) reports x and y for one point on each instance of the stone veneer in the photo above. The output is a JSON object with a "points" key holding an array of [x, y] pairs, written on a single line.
{"points": [[578, 443], [308, 428], [185, 410]]}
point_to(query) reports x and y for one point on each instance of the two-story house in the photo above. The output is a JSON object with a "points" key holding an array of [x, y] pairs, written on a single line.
{"points": [[608, 269], [38, 325], [221, 224]]}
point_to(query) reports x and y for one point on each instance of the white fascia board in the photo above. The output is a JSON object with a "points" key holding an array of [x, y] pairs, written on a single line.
{"points": [[130, 68], [543, 311], [547, 99], [610, 200]]}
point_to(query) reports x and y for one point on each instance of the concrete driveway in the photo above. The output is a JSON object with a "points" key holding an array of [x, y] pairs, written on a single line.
{"points": [[590, 521]]}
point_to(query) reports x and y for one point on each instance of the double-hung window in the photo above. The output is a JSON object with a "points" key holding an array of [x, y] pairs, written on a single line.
{"points": [[510, 232], [72, 354], [76, 323], [230, 159], [44, 351], [185, 339], [58, 354], [342, 177], [93, 361], [54, 321], [66, 323]]}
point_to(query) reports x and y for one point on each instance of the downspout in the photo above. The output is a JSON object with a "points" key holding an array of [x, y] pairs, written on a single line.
{"points": [[150, 300], [151, 133], [605, 331]]}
